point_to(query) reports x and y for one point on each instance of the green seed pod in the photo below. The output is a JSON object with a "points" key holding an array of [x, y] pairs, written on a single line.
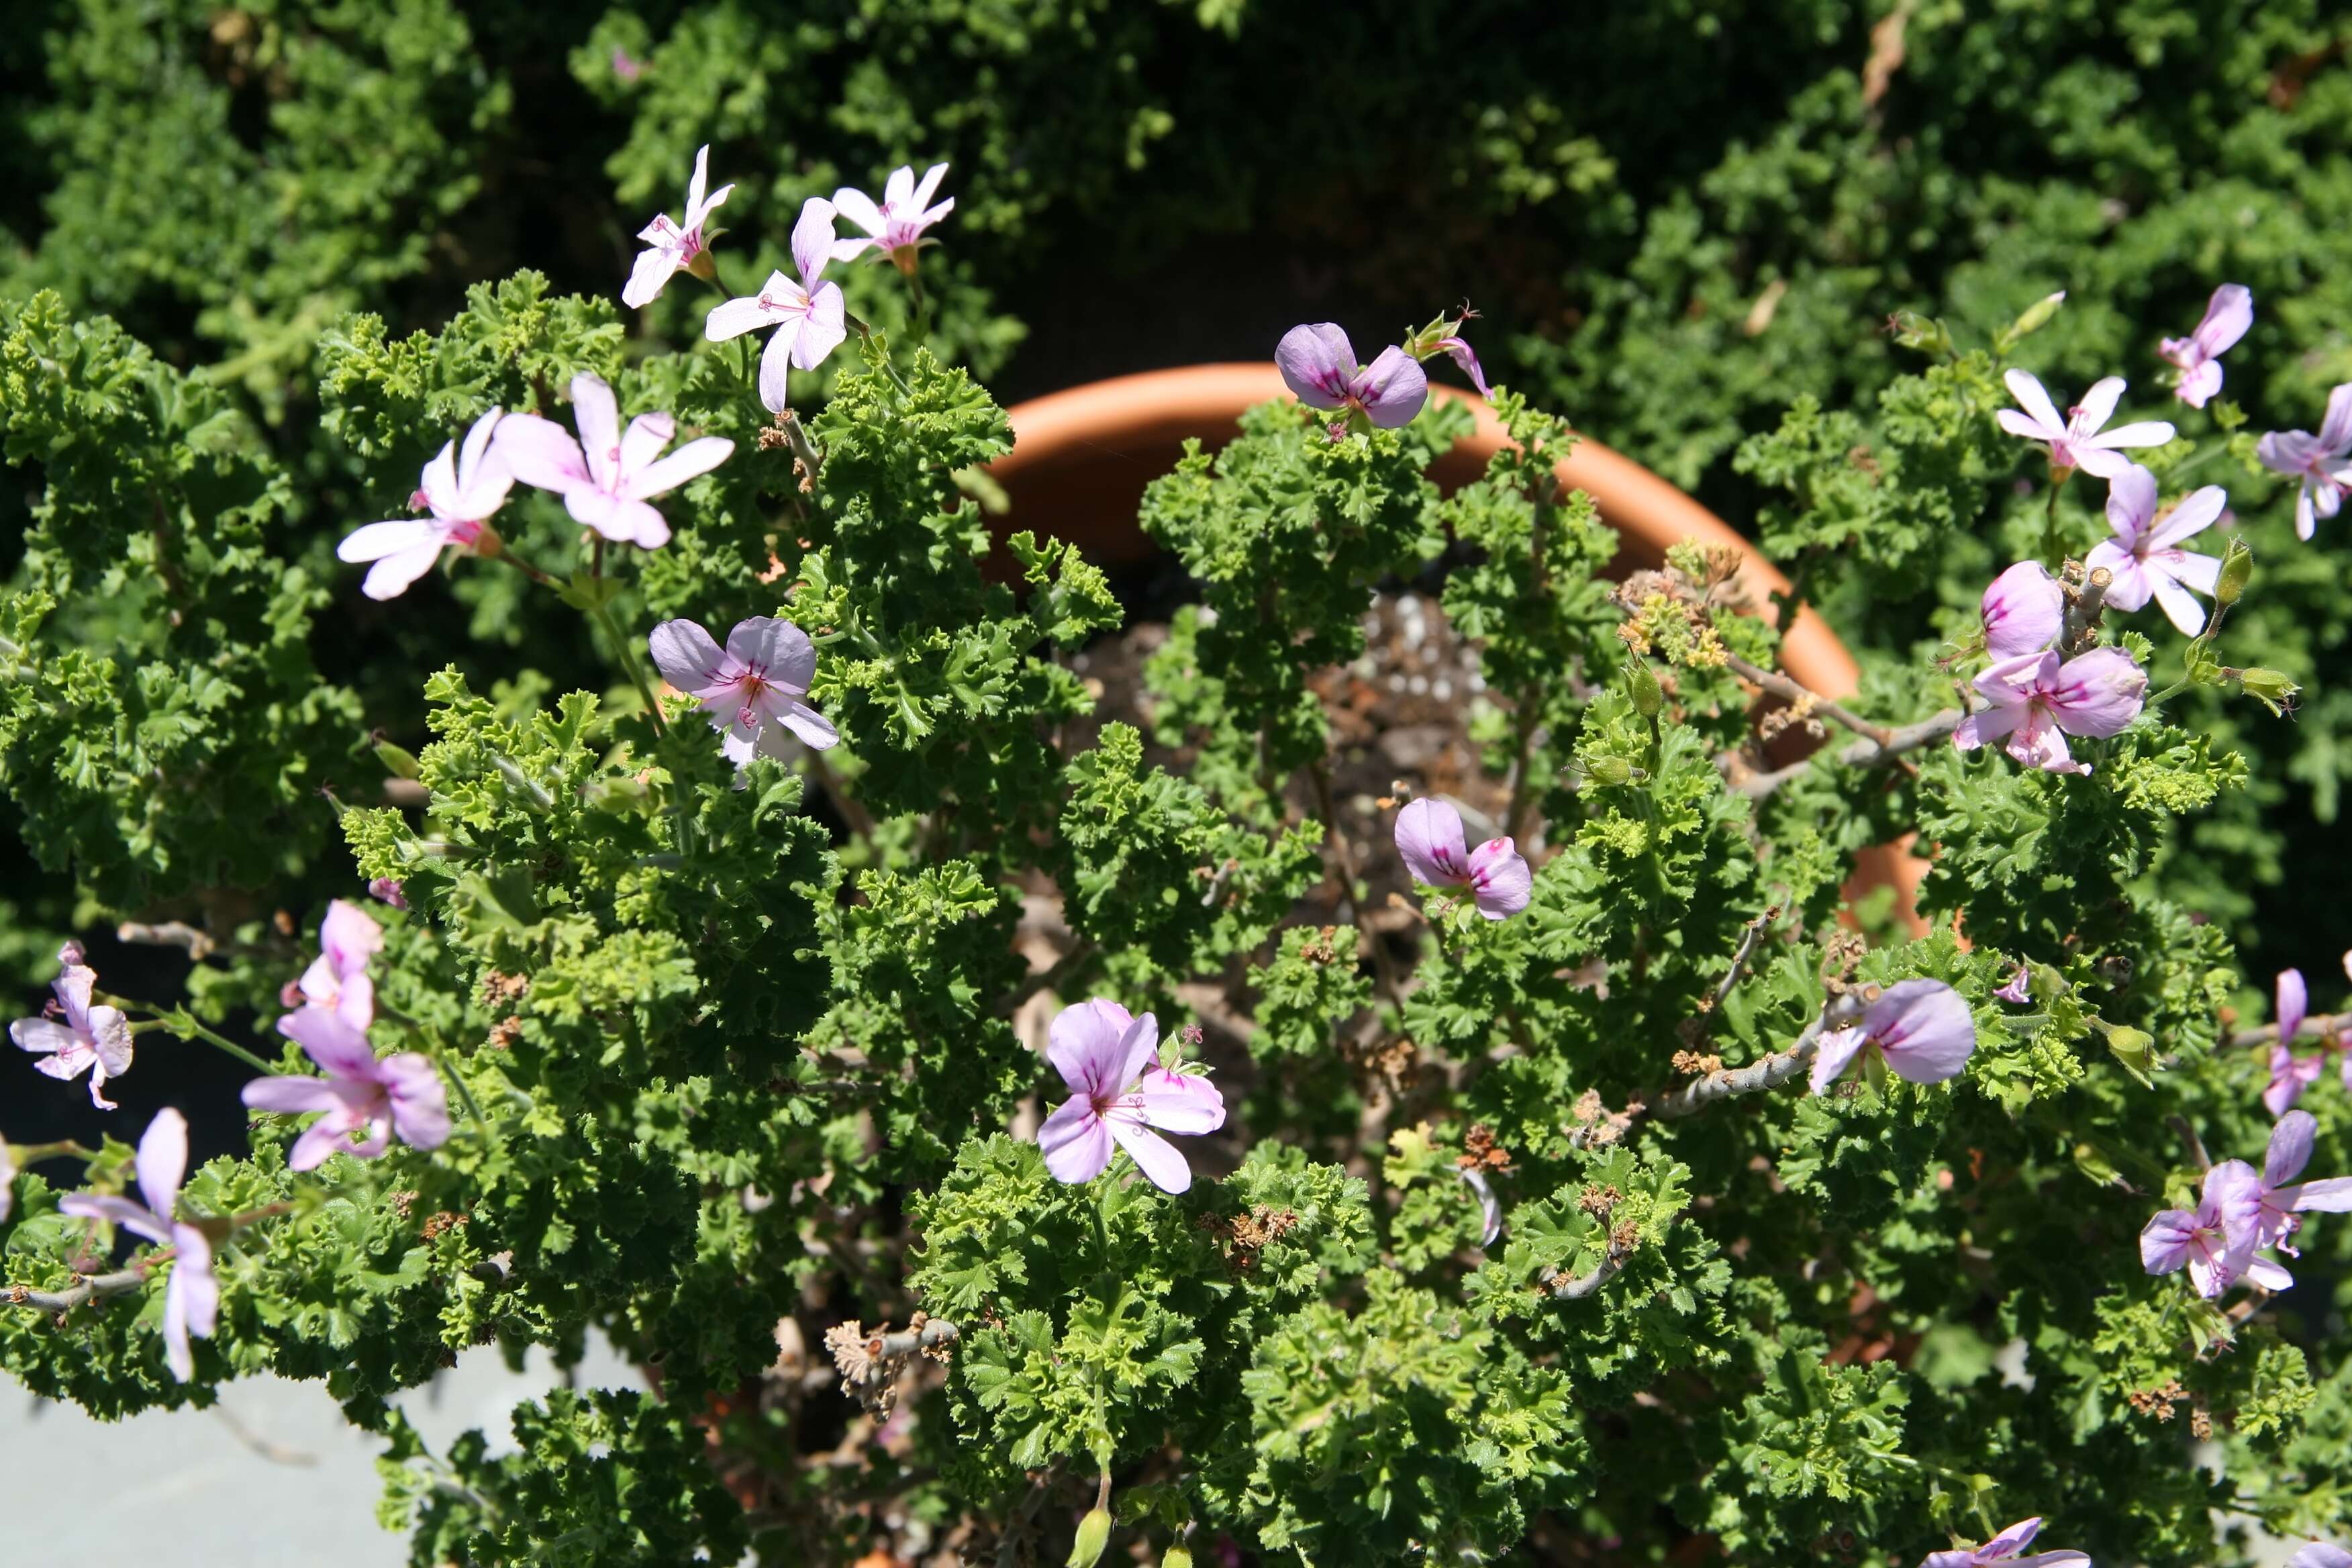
{"points": [[398, 761], [1643, 684], [1609, 771], [1913, 330], [2269, 688], [1093, 1534]]}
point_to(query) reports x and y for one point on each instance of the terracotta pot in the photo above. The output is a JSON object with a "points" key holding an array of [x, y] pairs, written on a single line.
{"points": [[1082, 457]]}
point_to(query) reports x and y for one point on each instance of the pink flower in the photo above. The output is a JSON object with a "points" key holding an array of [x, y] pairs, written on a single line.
{"points": [[338, 979], [808, 315], [2284, 1200], [461, 489], [2290, 1074], [2316, 460], [96, 1040], [2076, 441], [751, 687], [2144, 557], [2218, 1241], [2320, 1554], [672, 246], [2228, 314], [607, 476], [1467, 359], [192, 1296], [896, 228], [365, 1100], [1318, 363], [1429, 837], [629, 70], [1922, 1028], [1120, 1092], [388, 890], [2037, 701], [2024, 610], [2007, 1547], [2019, 987]]}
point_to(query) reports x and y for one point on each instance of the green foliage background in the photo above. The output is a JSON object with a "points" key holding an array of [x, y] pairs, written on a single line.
{"points": [[257, 263]]}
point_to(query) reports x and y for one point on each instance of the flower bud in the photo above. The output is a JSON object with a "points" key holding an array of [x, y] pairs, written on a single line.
{"points": [[2269, 688], [2037, 316], [1093, 1534], [1610, 771], [397, 760], [2237, 569], [1913, 330], [1644, 683]]}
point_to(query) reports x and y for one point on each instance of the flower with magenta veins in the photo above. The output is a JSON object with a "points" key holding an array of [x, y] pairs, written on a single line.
{"points": [[1119, 1093], [2019, 987], [1429, 837], [2024, 610], [751, 687], [366, 1101], [93, 1039], [807, 313], [2217, 1241], [1318, 363], [192, 1296], [2037, 700], [2145, 558], [2009, 1547], [2282, 1198], [2077, 441], [2316, 461], [2228, 314], [895, 228], [607, 476], [2291, 1074], [672, 247], [1922, 1029], [461, 487]]}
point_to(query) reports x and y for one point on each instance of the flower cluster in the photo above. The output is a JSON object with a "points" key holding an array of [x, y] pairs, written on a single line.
{"points": [[76, 1036], [2243, 1211]]}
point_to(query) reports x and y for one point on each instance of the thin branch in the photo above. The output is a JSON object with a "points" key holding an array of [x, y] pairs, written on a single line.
{"points": [[869, 1365], [1749, 935], [1770, 1072], [2083, 608], [1583, 1285], [1780, 685], [2326, 1026], [1861, 753], [195, 943], [88, 1289]]}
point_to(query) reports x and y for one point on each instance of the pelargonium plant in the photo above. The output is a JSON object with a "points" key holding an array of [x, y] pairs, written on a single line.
{"points": [[1807, 1125]]}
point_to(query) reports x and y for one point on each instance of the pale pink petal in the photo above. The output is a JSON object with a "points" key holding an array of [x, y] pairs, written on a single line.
{"points": [[1429, 839], [2333, 1196], [1833, 1054], [542, 453], [2198, 383], [2030, 395], [699, 182], [827, 325], [439, 481], [162, 1159], [639, 445], [2099, 405], [2131, 505], [813, 727], [1155, 1156], [898, 190], [2039, 742], [2290, 1076], [2098, 693], [2268, 1273], [776, 365], [1180, 1103], [2187, 615], [2198, 510], [858, 208], [2017, 424], [392, 577], [1138, 1047], [109, 1034], [2188, 568], [330, 1042], [1076, 1142], [2336, 425], [2129, 584], [775, 650], [2164, 1241], [476, 469], [2320, 1554], [624, 521], [1500, 881], [2011, 1542], [651, 272], [46, 1036], [349, 937], [191, 1299], [687, 658], [1392, 388], [598, 415], [2292, 1000], [1924, 1028], [2147, 433], [329, 1136], [734, 318], [688, 462], [376, 541], [2065, 1558], [2290, 1148], [1318, 364], [2095, 460], [812, 240], [2229, 314], [289, 1094], [1083, 1042], [130, 1217], [420, 1102], [2024, 610], [928, 186]]}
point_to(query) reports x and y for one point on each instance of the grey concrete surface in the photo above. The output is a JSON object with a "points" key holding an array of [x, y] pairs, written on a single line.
{"points": [[272, 1477]]}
